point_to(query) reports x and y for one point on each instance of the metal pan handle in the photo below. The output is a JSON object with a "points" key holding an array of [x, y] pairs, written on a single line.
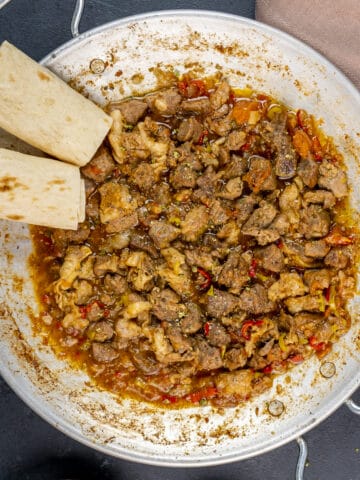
{"points": [[75, 21], [352, 406]]}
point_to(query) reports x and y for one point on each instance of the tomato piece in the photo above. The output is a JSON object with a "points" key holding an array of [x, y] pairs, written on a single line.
{"points": [[204, 393], [268, 369], [302, 143], [296, 359], [242, 110], [253, 267]]}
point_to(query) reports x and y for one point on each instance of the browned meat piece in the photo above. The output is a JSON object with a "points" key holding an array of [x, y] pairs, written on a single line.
{"points": [[143, 358], [201, 257], [337, 258], [295, 253], [270, 258], [229, 232], [235, 358], [235, 273], [162, 233], [259, 219], [144, 176], [260, 176], [199, 106], [236, 139], [193, 320], [315, 222], [245, 207], [100, 166], [290, 203], [308, 171], [281, 224], [106, 263], [122, 223], [132, 110], [290, 284], [220, 304], [221, 125], [286, 160], [323, 197], [115, 284], [309, 303], [207, 182], [333, 178], [103, 352], [233, 189], [142, 241], [218, 214], [92, 207], [165, 102], [217, 335], [255, 300], [84, 291], [162, 347], [195, 223], [316, 249], [90, 187], [236, 168], [62, 238], [220, 95], [133, 146], [100, 331], [208, 358], [183, 176], [317, 279], [236, 383], [178, 341], [166, 305], [307, 322], [189, 130], [161, 194]]}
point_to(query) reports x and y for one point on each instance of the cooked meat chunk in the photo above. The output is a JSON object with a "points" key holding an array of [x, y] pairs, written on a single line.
{"points": [[165, 102], [308, 171], [235, 383], [106, 263], [195, 224], [255, 300], [232, 189], [235, 273], [316, 249], [199, 106], [323, 197], [183, 176], [179, 342], [289, 285], [115, 284], [309, 303], [317, 280], [220, 95], [220, 304], [163, 233], [208, 358], [315, 222], [100, 331], [100, 166], [236, 139], [257, 223], [260, 176], [245, 207], [290, 203], [229, 232], [208, 181], [218, 213], [235, 358], [192, 321], [103, 352], [166, 305], [84, 291], [270, 258], [236, 168], [144, 176], [189, 129], [132, 110], [333, 179], [337, 258], [217, 335], [62, 238]]}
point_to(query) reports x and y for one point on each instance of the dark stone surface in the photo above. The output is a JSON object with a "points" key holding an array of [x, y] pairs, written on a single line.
{"points": [[30, 449]]}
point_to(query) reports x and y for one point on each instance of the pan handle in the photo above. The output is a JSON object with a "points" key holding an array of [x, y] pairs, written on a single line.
{"points": [[75, 21], [352, 406], [303, 451]]}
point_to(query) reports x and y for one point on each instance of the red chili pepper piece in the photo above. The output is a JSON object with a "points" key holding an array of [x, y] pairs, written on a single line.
{"points": [[206, 328], [279, 243], [203, 134], [327, 294], [169, 398], [296, 358], [253, 267], [267, 369], [336, 238], [317, 346], [208, 279], [246, 327], [204, 393], [316, 148]]}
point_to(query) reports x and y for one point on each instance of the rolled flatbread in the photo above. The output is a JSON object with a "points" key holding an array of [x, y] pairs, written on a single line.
{"points": [[40, 191], [42, 110]]}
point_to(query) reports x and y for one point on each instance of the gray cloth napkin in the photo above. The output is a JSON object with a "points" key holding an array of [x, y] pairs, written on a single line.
{"points": [[330, 26]]}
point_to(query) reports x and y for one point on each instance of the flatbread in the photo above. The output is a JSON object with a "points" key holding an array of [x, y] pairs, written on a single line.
{"points": [[40, 191], [42, 110]]}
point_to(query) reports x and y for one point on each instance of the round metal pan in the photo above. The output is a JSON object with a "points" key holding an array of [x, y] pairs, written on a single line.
{"points": [[134, 55]]}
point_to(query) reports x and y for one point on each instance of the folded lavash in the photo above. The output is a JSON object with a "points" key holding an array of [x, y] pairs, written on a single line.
{"points": [[40, 191], [42, 110]]}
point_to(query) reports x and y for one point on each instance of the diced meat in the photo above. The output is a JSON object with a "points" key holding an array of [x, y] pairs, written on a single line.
{"points": [[100, 166], [189, 130], [127, 329], [100, 331], [115, 284], [236, 139], [122, 223], [221, 125], [183, 176], [258, 221], [289, 285], [220, 95], [162, 233], [235, 273], [316, 248], [166, 305], [207, 182], [201, 257], [255, 300], [208, 358], [236, 383], [308, 171], [281, 224], [178, 280], [236, 168], [229, 232], [270, 258], [245, 207], [178, 341], [71, 267], [337, 258], [116, 201], [307, 322], [233, 189], [144, 176], [290, 203], [165, 102], [195, 223], [106, 263], [142, 241], [315, 222], [84, 291], [332, 178], [220, 304], [217, 335], [260, 176], [163, 349], [103, 352], [235, 358], [118, 241], [218, 213], [309, 303], [323, 197], [132, 110], [295, 253], [198, 106], [317, 280], [192, 321]]}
